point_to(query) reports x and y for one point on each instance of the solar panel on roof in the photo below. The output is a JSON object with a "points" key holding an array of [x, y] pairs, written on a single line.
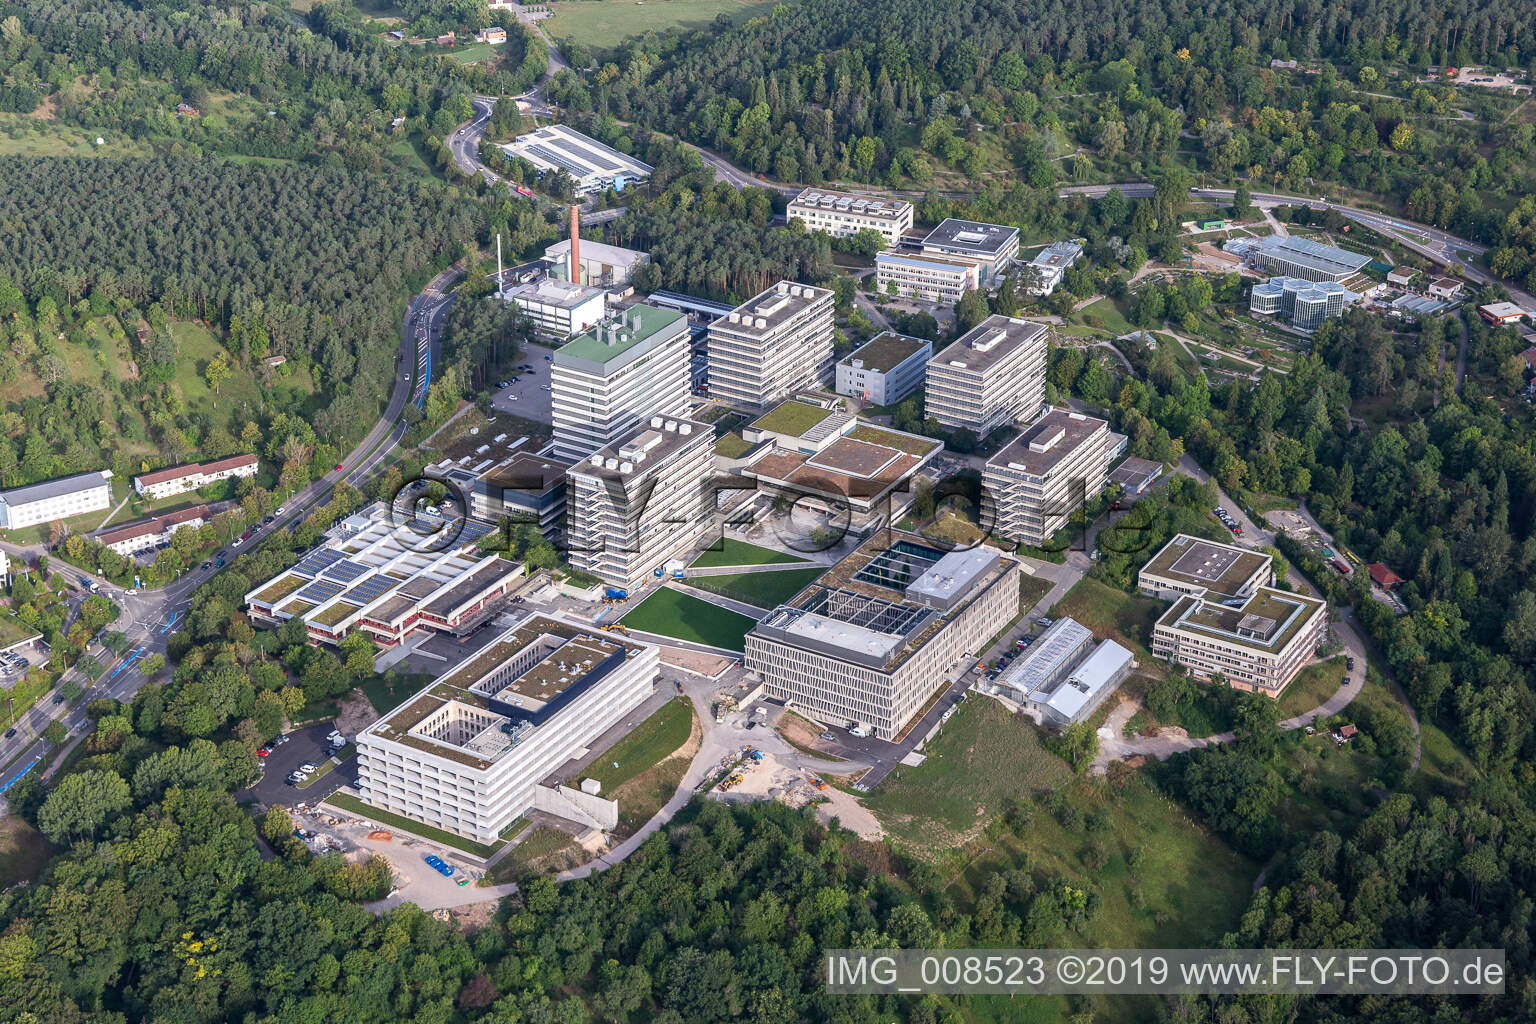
{"points": [[315, 562], [370, 590], [344, 570], [559, 160], [320, 590], [592, 156]]}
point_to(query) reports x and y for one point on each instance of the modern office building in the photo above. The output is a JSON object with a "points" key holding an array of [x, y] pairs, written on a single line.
{"points": [[870, 642], [1258, 641], [1046, 474], [592, 165], [993, 375], [51, 500], [608, 379], [391, 577], [525, 488], [926, 278], [841, 214], [633, 504], [1305, 303], [1050, 265], [992, 247], [599, 264], [137, 538], [163, 483], [1304, 258], [1190, 566], [884, 370], [1064, 676], [772, 346], [470, 752], [559, 308]]}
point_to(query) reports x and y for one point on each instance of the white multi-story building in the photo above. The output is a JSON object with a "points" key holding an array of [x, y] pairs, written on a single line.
{"points": [[163, 483], [1190, 566], [870, 642], [634, 503], [1045, 475], [559, 308], [468, 754], [605, 381], [841, 214], [884, 370], [772, 346], [50, 500], [992, 247], [926, 278], [993, 375], [1305, 303]]}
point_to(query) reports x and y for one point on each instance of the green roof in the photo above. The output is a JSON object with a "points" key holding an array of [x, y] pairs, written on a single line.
{"points": [[792, 418], [594, 347], [885, 352]]}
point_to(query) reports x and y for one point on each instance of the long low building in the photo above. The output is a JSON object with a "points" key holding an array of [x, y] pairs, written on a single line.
{"points": [[1192, 566], [592, 165], [468, 754], [870, 642], [598, 263], [163, 483], [390, 579], [1065, 677], [146, 536], [842, 214], [51, 500]]}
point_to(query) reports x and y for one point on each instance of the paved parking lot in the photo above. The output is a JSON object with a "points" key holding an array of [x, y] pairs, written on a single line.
{"points": [[527, 398], [307, 744]]}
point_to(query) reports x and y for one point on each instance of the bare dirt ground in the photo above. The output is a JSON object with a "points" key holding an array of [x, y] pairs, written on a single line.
{"points": [[356, 713], [707, 665], [800, 731], [770, 779]]}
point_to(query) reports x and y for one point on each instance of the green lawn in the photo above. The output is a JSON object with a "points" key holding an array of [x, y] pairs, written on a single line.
{"points": [[652, 742], [23, 135], [607, 23], [353, 805], [732, 446], [671, 613], [1115, 614], [1110, 313], [196, 347], [475, 52], [766, 589], [1315, 684], [735, 552], [1031, 590], [388, 692]]}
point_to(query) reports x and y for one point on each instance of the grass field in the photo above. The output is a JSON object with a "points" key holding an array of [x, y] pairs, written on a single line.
{"points": [[652, 742], [474, 53], [386, 693], [22, 135], [1113, 613], [1315, 684], [609, 22], [23, 851], [735, 552], [982, 758], [353, 805], [1031, 590], [546, 850], [670, 613], [764, 589]]}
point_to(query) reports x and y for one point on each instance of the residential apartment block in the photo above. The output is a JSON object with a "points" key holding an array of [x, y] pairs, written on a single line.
{"points": [[992, 247], [633, 504], [469, 753], [884, 370], [926, 278], [45, 502], [151, 533], [1045, 475], [870, 642], [993, 375], [841, 214], [163, 483], [607, 380], [771, 346]]}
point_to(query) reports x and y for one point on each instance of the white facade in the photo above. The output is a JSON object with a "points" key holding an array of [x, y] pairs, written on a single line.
{"points": [[591, 164], [164, 483], [937, 279], [68, 496], [560, 308], [1041, 479], [1259, 642], [992, 247], [606, 381], [468, 753], [602, 265], [1050, 265], [145, 536], [841, 214], [635, 503], [885, 370], [773, 345], [993, 375]]}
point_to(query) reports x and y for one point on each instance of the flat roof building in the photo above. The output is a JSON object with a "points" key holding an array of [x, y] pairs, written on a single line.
{"points": [[1447, 288], [1048, 473], [559, 308], [1306, 304], [841, 214], [992, 247], [470, 752], [858, 472], [602, 265], [1050, 265], [1257, 642], [874, 638], [608, 379], [163, 483], [885, 369], [1064, 676], [1501, 313], [49, 500], [1136, 475], [993, 375], [1192, 566], [771, 346], [926, 278], [592, 165], [1306, 259], [634, 503], [525, 488]]}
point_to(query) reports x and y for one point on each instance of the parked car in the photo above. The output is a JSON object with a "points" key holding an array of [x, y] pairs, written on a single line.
{"points": [[9, 733], [827, 736], [58, 698], [280, 510], [263, 752], [1349, 662], [439, 865]]}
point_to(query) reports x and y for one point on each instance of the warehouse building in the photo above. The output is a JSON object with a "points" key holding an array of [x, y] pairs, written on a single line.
{"points": [[592, 165], [21, 507], [771, 346], [992, 247], [164, 483], [841, 214], [1064, 676], [1046, 475], [469, 754], [884, 370], [1501, 313], [608, 379], [870, 642], [926, 278], [598, 264], [635, 503], [993, 375]]}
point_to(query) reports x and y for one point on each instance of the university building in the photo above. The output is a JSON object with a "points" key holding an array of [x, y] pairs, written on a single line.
{"points": [[841, 214], [993, 375], [771, 346], [1045, 475], [926, 277]]}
